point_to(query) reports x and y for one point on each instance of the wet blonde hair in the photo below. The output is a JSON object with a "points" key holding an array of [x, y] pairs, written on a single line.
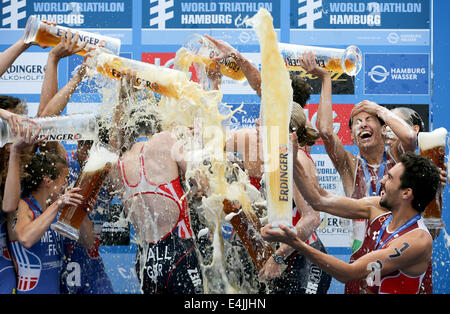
{"points": [[307, 136]]}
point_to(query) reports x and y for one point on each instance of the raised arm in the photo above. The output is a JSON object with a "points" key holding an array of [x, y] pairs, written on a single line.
{"points": [[59, 101], [11, 195], [409, 253], [10, 55], [250, 71], [65, 48], [319, 199], [342, 160], [407, 138]]}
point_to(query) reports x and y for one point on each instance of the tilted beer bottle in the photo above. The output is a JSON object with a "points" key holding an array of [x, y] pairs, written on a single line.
{"points": [[200, 50], [74, 127], [50, 35], [347, 60], [248, 228], [162, 80]]}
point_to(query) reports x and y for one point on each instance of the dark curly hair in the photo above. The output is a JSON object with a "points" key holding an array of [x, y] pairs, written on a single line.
{"points": [[422, 176], [301, 89], [40, 166]]}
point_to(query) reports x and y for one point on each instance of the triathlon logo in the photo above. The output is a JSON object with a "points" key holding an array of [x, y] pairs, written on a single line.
{"points": [[160, 9], [310, 10], [378, 74], [12, 13]]}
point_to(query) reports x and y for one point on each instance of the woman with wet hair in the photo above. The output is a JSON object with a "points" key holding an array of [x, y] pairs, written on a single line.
{"points": [[35, 247], [411, 117]]}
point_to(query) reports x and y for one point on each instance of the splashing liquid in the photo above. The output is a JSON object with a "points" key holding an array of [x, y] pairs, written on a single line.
{"points": [[276, 103]]}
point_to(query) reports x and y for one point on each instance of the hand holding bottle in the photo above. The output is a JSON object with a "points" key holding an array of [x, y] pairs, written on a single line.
{"points": [[15, 121]]}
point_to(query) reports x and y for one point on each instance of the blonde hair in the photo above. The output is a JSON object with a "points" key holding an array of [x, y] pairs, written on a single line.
{"points": [[307, 136]]}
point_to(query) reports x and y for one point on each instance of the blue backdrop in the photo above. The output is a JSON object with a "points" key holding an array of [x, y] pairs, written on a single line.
{"points": [[406, 36]]}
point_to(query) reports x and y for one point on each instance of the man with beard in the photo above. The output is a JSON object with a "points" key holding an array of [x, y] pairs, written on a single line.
{"points": [[403, 246]]}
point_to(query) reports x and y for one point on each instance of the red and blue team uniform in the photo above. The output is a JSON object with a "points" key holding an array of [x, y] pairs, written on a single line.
{"points": [[39, 267], [177, 269], [7, 272], [398, 282]]}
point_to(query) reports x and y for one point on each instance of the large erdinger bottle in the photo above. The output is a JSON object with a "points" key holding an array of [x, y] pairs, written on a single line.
{"points": [[50, 35], [200, 50], [162, 80], [347, 60], [432, 146], [247, 227]]}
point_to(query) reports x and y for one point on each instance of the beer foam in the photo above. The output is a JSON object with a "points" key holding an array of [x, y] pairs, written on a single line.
{"points": [[98, 158], [276, 102], [429, 140]]}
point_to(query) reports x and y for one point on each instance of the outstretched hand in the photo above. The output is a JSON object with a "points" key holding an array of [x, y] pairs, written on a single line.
{"points": [[28, 138], [308, 62], [68, 45], [282, 234], [225, 49]]}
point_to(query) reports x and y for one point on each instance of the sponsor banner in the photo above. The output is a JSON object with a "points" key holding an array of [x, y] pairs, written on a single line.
{"points": [[396, 74], [32, 109], [26, 74], [342, 84], [341, 116], [360, 14], [119, 264], [360, 22], [244, 118], [171, 21], [334, 38], [111, 18], [333, 231]]}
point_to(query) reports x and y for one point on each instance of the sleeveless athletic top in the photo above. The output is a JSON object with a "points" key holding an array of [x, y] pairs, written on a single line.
{"points": [[7, 272], [366, 183], [172, 190], [398, 282], [361, 186], [372, 230], [38, 267]]}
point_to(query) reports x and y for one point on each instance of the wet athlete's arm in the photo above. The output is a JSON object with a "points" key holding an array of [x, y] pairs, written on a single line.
{"points": [[409, 253], [10, 55], [11, 195], [321, 200], [342, 160], [59, 101], [65, 48], [28, 230], [250, 71]]}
